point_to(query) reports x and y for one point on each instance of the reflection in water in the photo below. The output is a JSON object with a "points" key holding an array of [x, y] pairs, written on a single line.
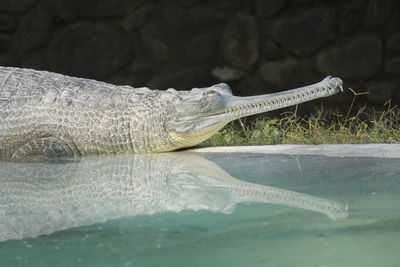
{"points": [[40, 199]]}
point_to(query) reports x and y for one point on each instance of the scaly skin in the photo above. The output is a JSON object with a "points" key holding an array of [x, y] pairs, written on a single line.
{"points": [[42, 198], [46, 115]]}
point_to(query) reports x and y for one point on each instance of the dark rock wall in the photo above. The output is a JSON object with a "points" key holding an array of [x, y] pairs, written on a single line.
{"points": [[255, 46]]}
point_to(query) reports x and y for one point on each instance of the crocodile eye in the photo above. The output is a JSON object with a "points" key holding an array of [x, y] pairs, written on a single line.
{"points": [[211, 93]]}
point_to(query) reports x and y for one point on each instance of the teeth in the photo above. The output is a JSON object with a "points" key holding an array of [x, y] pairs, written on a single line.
{"points": [[285, 99]]}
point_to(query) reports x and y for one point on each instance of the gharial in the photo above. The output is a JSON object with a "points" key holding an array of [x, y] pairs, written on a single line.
{"points": [[45, 115]]}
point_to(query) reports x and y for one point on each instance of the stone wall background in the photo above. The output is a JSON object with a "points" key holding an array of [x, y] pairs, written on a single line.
{"points": [[255, 46]]}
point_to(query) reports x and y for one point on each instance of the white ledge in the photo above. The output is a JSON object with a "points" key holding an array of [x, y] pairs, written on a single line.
{"points": [[336, 150]]}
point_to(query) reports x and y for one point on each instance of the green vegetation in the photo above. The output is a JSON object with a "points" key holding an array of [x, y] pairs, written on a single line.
{"points": [[368, 125]]}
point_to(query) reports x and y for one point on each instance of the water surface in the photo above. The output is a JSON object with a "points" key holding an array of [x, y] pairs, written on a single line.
{"points": [[208, 209]]}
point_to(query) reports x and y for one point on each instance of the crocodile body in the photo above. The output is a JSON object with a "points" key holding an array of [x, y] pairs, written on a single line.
{"points": [[45, 115], [76, 116]]}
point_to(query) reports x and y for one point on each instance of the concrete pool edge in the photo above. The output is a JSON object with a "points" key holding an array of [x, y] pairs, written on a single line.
{"points": [[334, 150]]}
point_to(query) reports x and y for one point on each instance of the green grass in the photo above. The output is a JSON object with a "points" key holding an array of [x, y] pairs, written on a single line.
{"points": [[367, 125]]}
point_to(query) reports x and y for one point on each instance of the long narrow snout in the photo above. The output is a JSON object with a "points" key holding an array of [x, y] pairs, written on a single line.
{"points": [[238, 107], [196, 127]]}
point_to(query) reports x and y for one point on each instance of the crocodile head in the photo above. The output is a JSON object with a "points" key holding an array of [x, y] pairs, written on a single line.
{"points": [[201, 112]]}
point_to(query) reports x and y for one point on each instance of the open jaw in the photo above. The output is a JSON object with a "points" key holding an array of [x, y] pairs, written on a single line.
{"points": [[238, 107]]}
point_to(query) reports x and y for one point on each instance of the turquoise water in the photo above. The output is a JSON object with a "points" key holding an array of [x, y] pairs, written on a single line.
{"points": [[200, 224]]}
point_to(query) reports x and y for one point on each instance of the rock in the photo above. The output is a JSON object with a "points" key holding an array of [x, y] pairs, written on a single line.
{"points": [[36, 61], [267, 9], [360, 58], [137, 18], [393, 43], [140, 66], [226, 74], [288, 73], [8, 23], [70, 10], [34, 30], [76, 51], [200, 48], [250, 86], [176, 16], [9, 61], [4, 42], [396, 98], [137, 74], [350, 16], [154, 43], [379, 92], [305, 33], [276, 73], [206, 14], [272, 50], [377, 12], [240, 42], [300, 3], [213, 12], [105, 8], [392, 65], [181, 79], [16, 6], [266, 28], [189, 3]]}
